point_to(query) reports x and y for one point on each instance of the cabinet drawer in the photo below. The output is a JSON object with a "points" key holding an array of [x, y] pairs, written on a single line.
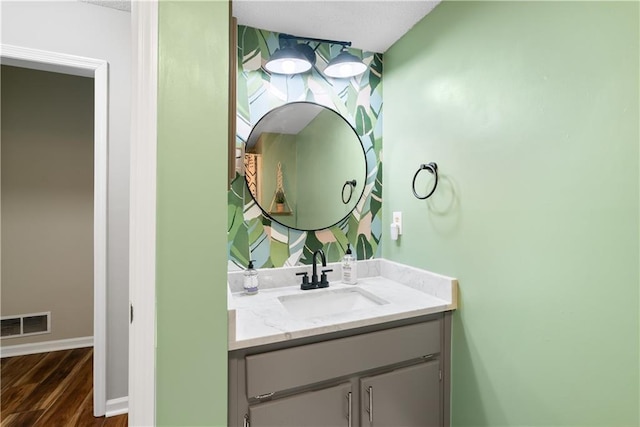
{"points": [[327, 407], [298, 366]]}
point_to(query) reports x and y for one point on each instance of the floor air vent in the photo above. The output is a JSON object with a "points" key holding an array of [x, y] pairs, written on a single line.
{"points": [[25, 325]]}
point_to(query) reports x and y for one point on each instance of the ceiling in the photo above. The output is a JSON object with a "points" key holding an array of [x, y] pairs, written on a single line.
{"points": [[370, 25], [289, 119]]}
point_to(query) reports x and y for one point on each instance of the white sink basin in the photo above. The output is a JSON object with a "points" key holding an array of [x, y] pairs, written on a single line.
{"points": [[327, 302]]}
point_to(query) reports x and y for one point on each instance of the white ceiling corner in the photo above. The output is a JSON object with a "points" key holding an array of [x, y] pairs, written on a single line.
{"points": [[370, 25]]}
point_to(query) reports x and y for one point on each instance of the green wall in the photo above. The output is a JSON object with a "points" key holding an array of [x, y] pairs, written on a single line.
{"points": [[191, 234], [279, 147], [327, 148], [531, 111]]}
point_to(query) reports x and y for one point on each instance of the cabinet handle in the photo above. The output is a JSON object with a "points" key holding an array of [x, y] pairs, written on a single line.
{"points": [[349, 406], [370, 408], [265, 396], [245, 421]]}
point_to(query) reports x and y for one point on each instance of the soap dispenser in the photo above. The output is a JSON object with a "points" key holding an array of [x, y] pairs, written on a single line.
{"points": [[349, 268], [251, 279]]}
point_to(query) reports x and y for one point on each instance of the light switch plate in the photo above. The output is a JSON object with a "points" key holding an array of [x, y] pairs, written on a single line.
{"points": [[397, 219]]}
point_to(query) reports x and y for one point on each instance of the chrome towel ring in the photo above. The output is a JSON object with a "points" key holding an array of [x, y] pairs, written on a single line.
{"points": [[432, 168], [351, 185]]}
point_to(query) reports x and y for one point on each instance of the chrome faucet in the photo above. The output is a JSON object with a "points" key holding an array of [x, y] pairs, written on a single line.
{"points": [[323, 283]]}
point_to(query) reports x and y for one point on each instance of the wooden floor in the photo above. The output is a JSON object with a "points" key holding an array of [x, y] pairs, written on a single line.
{"points": [[50, 389]]}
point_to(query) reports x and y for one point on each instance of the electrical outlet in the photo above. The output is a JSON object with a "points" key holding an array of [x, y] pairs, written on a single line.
{"points": [[397, 219]]}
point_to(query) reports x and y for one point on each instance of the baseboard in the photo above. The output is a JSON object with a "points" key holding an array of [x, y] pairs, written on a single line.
{"points": [[44, 347], [117, 406]]}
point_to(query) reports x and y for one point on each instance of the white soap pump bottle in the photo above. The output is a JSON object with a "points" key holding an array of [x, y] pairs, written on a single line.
{"points": [[251, 279], [349, 268]]}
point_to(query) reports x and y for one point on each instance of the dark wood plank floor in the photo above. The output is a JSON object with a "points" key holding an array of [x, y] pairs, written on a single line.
{"points": [[50, 389]]}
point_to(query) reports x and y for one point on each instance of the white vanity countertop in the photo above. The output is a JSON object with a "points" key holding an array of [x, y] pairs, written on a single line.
{"points": [[406, 292]]}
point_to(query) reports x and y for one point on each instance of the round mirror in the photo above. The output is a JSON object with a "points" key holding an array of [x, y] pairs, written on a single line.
{"points": [[305, 166]]}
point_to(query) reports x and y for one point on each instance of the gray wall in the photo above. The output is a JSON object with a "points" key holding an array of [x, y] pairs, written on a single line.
{"points": [[102, 33], [47, 200]]}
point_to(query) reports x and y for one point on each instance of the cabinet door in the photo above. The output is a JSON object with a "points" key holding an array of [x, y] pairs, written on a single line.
{"points": [[408, 397], [326, 407]]}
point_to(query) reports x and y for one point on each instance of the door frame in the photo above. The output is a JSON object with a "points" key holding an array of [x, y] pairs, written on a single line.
{"points": [[98, 70], [142, 214]]}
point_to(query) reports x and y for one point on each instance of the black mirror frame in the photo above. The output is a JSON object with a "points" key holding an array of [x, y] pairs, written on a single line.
{"points": [[364, 179]]}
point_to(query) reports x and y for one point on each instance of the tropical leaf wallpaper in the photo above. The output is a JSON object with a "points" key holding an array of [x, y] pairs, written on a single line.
{"points": [[252, 235]]}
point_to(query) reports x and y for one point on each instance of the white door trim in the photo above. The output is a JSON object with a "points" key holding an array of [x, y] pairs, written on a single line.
{"points": [[98, 69], [142, 219]]}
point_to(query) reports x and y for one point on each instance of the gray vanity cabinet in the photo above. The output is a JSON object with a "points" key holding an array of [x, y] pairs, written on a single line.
{"points": [[407, 397], [325, 407], [395, 374]]}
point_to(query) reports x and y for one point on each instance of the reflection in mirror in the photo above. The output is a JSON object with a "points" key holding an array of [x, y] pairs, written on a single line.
{"points": [[298, 160]]}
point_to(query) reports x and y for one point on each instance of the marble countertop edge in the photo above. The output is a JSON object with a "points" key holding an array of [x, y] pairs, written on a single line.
{"points": [[327, 329]]}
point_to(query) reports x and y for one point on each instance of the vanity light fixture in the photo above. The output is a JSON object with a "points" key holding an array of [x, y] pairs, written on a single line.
{"points": [[345, 65], [295, 58], [292, 58]]}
